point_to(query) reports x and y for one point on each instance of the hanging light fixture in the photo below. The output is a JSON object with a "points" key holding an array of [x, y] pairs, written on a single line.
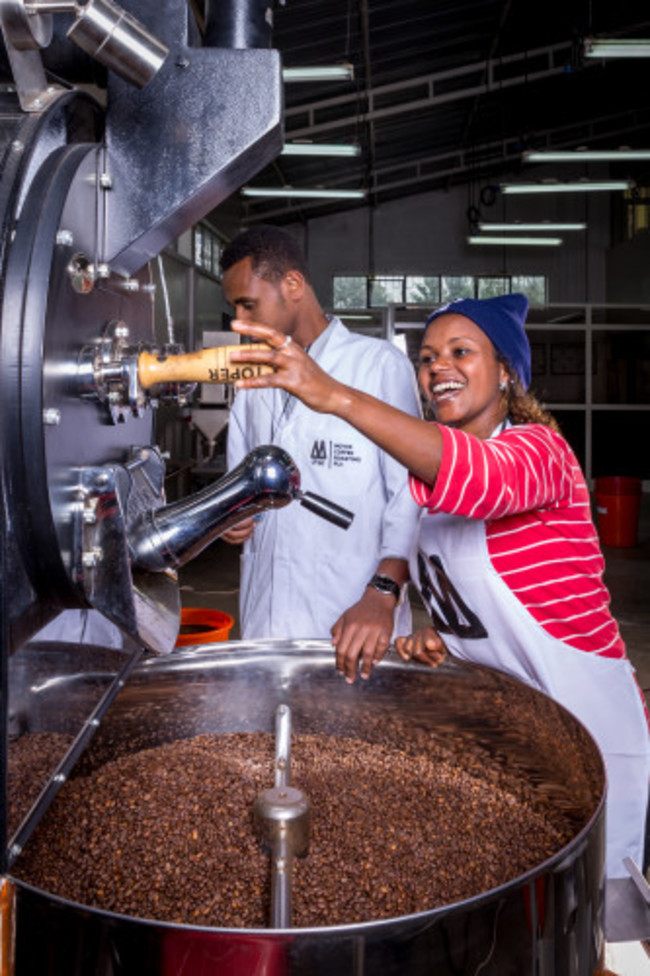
{"points": [[302, 194], [531, 226], [616, 47], [323, 72], [584, 155], [514, 241], [320, 149], [573, 186]]}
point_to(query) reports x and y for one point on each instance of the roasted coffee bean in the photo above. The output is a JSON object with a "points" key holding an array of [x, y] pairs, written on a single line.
{"points": [[167, 833], [32, 760]]}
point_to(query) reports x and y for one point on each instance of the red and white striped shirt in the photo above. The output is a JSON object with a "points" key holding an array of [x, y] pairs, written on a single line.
{"points": [[526, 484]]}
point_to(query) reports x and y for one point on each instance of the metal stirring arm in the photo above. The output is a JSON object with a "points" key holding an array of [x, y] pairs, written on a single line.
{"points": [[168, 537], [282, 818]]}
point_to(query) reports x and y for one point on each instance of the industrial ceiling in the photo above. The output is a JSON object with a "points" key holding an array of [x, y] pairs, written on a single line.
{"points": [[449, 92]]}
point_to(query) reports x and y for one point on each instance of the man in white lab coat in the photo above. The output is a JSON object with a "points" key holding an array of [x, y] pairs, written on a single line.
{"points": [[302, 577]]}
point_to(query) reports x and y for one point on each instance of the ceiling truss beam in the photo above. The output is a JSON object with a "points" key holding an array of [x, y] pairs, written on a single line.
{"points": [[428, 91]]}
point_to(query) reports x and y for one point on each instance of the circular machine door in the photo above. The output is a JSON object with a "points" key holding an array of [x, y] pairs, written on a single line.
{"points": [[65, 449], [546, 919]]}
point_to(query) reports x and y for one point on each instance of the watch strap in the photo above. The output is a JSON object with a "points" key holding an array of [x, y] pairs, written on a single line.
{"points": [[385, 584]]}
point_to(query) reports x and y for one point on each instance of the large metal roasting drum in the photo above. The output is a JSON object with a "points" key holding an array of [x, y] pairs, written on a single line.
{"points": [[120, 128], [547, 920]]}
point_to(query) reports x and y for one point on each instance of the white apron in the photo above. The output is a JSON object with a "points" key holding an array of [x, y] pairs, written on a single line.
{"points": [[481, 620]]}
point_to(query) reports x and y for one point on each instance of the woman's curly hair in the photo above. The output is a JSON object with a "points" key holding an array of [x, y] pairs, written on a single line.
{"points": [[523, 407]]}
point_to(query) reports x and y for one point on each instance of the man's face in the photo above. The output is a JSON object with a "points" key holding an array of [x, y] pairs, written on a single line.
{"points": [[257, 300]]}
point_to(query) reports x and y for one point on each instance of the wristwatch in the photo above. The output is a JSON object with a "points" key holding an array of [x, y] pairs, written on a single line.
{"points": [[385, 584]]}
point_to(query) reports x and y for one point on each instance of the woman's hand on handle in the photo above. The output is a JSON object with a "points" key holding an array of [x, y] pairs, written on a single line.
{"points": [[410, 440], [294, 370]]}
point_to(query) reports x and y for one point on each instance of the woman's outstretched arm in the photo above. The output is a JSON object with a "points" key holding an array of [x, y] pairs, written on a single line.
{"points": [[413, 442]]}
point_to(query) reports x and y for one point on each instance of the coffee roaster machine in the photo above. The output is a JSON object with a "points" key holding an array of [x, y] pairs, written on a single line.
{"points": [[120, 127]]}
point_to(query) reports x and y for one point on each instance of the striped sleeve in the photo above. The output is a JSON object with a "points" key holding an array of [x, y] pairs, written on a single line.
{"points": [[527, 486], [522, 469]]}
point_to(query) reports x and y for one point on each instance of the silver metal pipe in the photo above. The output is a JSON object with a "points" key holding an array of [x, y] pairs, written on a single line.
{"points": [[116, 39], [165, 293], [281, 865], [283, 746], [168, 537], [50, 7], [282, 816]]}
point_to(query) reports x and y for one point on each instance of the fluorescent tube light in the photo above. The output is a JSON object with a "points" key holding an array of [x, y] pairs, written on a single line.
{"points": [[538, 225], [288, 191], [584, 155], [320, 149], [324, 72], [580, 186], [616, 47], [516, 241]]}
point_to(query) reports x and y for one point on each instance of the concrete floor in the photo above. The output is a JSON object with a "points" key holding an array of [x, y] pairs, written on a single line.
{"points": [[212, 581]]}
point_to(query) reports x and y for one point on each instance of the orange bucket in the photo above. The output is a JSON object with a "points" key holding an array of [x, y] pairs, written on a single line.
{"points": [[203, 626], [618, 503]]}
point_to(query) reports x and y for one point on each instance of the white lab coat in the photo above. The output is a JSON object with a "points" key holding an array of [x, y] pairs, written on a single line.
{"points": [[300, 572]]}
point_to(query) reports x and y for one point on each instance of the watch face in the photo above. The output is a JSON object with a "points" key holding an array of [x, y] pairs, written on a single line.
{"points": [[384, 584]]}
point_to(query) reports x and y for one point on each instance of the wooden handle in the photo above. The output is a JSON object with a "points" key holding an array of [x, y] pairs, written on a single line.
{"points": [[204, 366]]}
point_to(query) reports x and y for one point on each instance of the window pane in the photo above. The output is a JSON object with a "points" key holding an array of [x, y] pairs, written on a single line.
{"points": [[456, 287], [386, 290], [206, 259], [350, 292], [422, 291], [216, 254], [533, 286], [184, 245], [492, 287], [638, 210], [198, 246]]}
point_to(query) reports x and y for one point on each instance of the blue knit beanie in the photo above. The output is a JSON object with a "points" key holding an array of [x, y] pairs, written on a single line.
{"points": [[502, 319]]}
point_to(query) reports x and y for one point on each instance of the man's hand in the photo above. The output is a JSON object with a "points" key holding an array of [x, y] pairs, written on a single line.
{"points": [[362, 634], [239, 533], [424, 646]]}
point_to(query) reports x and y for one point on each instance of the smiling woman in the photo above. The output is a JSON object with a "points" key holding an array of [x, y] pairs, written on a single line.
{"points": [[507, 559], [461, 376]]}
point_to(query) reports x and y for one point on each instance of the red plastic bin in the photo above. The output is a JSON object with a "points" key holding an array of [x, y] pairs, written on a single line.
{"points": [[618, 503], [203, 626]]}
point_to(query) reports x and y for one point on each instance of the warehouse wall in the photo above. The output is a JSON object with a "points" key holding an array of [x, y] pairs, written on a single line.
{"points": [[628, 279], [427, 235]]}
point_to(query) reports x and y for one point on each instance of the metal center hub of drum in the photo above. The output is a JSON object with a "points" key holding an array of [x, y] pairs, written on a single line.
{"points": [[282, 819]]}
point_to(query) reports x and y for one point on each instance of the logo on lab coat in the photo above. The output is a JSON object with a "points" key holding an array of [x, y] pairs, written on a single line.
{"points": [[332, 454], [319, 451]]}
